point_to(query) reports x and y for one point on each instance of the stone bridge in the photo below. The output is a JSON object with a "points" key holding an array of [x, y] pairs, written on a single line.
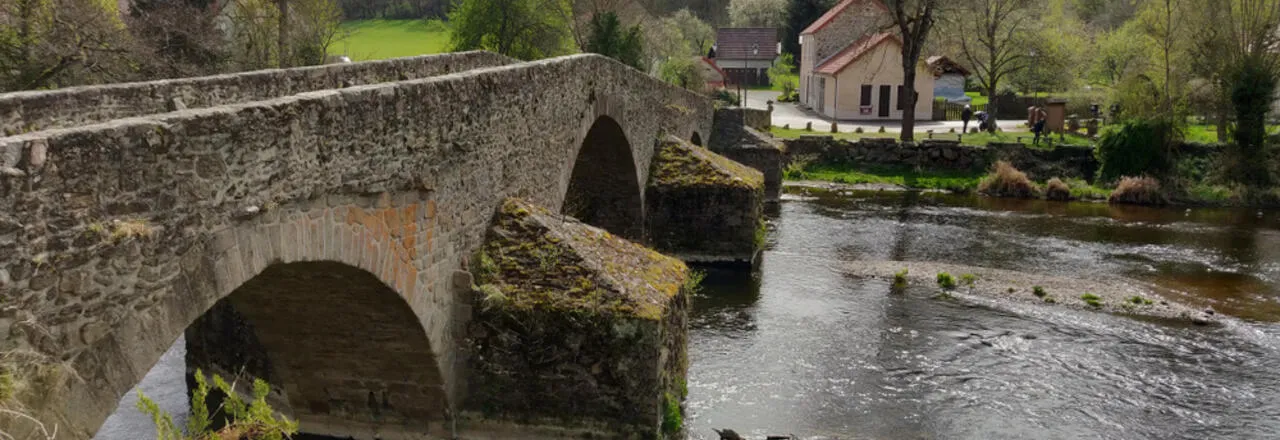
{"points": [[323, 202]]}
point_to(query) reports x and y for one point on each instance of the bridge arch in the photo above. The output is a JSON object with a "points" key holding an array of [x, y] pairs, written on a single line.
{"points": [[324, 302], [696, 139], [604, 188]]}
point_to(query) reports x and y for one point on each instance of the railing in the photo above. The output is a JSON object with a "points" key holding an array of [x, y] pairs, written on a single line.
{"points": [[950, 111]]}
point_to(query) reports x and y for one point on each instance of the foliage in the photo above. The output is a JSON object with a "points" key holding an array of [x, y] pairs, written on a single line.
{"points": [[1138, 190], [968, 279], [523, 29], [311, 28], [1254, 84], [900, 279], [1038, 291], [58, 43], [393, 9], [383, 39], [1119, 54], [693, 282], [757, 13], [672, 415], [783, 69], [1136, 147], [992, 35], [1091, 299], [609, 38], [251, 420], [1139, 300], [800, 14], [1007, 181], [678, 35], [946, 281], [726, 97], [682, 72]]}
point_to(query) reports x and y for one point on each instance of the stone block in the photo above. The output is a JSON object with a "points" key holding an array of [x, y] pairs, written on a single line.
{"points": [[570, 327], [703, 207]]}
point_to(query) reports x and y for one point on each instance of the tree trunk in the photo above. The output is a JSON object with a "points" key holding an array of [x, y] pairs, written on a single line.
{"points": [[282, 37], [908, 107]]}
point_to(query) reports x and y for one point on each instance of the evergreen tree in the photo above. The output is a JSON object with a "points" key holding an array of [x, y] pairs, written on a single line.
{"points": [[610, 39], [800, 14]]}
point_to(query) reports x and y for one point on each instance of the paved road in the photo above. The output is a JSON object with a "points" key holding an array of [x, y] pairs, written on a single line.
{"points": [[791, 114]]}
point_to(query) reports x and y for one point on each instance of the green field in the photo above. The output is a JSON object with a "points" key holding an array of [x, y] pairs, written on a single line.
{"points": [[382, 39]]}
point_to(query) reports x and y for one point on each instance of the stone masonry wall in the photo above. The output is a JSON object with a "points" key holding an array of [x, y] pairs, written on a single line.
{"points": [[737, 138], [38, 110], [212, 197], [1062, 161]]}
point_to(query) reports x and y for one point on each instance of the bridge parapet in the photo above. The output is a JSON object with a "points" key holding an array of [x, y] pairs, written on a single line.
{"points": [[24, 112]]}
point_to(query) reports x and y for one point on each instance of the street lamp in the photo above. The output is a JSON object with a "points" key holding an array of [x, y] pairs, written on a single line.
{"points": [[755, 50]]}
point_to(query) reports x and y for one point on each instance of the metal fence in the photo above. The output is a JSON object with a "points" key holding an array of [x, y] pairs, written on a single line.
{"points": [[950, 111]]}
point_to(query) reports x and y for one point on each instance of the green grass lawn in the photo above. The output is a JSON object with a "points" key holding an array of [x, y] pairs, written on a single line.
{"points": [[894, 175], [979, 98], [382, 39], [968, 139]]}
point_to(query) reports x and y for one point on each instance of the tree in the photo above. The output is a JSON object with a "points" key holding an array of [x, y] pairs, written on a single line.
{"points": [[913, 20], [994, 37], [800, 14], [524, 29], [679, 35], [1119, 53], [1242, 53], [758, 13], [317, 25], [682, 72], [696, 32], [608, 38], [181, 38], [57, 43]]}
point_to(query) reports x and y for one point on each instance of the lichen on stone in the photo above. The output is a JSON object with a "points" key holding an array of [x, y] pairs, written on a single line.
{"points": [[680, 163], [540, 260]]}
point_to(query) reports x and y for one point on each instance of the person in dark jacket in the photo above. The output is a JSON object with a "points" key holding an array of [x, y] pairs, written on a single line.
{"points": [[965, 116]]}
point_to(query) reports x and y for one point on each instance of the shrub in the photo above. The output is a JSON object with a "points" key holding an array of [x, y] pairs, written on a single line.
{"points": [[1007, 181], [1092, 300], [796, 168], [1050, 299], [1136, 147], [900, 278], [672, 416], [1057, 190], [946, 281], [250, 420], [968, 279], [1138, 190], [1139, 300], [725, 96], [1039, 292]]}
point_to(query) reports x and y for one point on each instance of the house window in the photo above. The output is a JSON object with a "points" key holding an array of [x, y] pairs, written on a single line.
{"points": [[902, 97], [866, 95]]}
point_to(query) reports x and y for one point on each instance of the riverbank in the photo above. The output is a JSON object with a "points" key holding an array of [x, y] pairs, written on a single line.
{"points": [[1103, 294]]}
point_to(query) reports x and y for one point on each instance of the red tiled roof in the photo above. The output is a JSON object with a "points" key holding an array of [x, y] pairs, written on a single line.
{"points": [[718, 70], [736, 43], [832, 13], [840, 61]]}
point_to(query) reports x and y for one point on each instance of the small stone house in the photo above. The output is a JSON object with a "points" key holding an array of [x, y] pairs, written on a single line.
{"points": [[949, 78], [851, 70], [746, 54]]}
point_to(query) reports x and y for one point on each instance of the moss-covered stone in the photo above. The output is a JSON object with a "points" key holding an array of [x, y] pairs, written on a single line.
{"points": [[575, 327], [702, 206], [682, 164]]}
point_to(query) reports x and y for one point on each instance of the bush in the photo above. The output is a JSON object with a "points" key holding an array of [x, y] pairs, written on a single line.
{"points": [[254, 419], [1138, 190], [1039, 292], [725, 96], [1136, 147], [1092, 300], [1007, 181], [1057, 190], [946, 281], [968, 279], [900, 279]]}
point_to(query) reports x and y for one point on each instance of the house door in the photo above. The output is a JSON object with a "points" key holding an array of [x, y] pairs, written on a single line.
{"points": [[822, 95], [884, 101]]}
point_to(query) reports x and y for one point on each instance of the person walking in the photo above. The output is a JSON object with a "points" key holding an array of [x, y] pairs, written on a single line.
{"points": [[1039, 115], [966, 115]]}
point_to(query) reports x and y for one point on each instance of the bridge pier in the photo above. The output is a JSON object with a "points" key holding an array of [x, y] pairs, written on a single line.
{"points": [[740, 134]]}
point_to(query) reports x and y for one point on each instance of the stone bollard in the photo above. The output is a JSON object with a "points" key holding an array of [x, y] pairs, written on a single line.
{"points": [[834, 128], [808, 126], [1091, 127]]}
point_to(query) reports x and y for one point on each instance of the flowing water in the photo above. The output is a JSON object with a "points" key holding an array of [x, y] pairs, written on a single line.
{"points": [[799, 348], [802, 349]]}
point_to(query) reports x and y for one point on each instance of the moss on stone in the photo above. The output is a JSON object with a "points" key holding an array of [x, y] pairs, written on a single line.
{"points": [[679, 163], [540, 260]]}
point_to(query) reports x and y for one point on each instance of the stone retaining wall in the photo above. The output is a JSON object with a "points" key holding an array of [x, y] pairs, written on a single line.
{"points": [[1062, 161], [39, 110]]}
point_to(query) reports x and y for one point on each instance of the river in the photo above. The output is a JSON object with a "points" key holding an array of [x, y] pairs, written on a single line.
{"points": [[801, 348]]}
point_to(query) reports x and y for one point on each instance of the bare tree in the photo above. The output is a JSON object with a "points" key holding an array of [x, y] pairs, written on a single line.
{"points": [[992, 36], [913, 19], [55, 43]]}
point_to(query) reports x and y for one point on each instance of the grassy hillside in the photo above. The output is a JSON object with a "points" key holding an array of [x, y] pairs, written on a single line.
{"points": [[381, 39]]}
